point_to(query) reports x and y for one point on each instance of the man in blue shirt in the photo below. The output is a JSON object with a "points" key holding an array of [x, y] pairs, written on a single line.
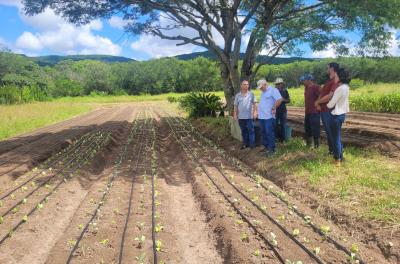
{"points": [[244, 111], [269, 101]]}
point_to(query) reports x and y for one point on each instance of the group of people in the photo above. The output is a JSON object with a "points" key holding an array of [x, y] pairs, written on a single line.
{"points": [[329, 104]]}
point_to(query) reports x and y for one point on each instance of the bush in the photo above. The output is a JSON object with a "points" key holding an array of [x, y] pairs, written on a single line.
{"points": [[172, 99], [201, 104], [356, 83]]}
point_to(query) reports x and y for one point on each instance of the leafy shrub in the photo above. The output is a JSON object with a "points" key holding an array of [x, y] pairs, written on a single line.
{"points": [[356, 83], [172, 99], [201, 104]]}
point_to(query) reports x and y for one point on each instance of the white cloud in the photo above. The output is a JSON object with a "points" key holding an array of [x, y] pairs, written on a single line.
{"points": [[61, 37], [329, 52], [45, 21], [57, 35], [29, 42], [156, 47], [117, 22]]}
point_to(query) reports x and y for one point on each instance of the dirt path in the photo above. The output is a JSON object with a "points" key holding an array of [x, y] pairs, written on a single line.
{"points": [[141, 186]]}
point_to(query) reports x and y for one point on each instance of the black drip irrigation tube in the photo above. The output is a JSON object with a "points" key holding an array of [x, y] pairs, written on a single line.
{"points": [[59, 172], [50, 147], [270, 245], [118, 162], [40, 202], [41, 170], [298, 212], [131, 195], [153, 200]]}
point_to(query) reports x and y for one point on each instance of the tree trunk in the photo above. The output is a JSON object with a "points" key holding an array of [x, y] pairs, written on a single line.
{"points": [[231, 85]]}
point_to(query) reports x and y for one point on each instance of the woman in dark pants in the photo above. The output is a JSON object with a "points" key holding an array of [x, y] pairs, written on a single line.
{"points": [[340, 106]]}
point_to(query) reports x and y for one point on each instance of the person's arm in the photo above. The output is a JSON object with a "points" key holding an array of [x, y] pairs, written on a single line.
{"points": [[335, 98], [324, 99], [254, 104], [277, 96], [276, 105], [287, 97], [235, 108]]}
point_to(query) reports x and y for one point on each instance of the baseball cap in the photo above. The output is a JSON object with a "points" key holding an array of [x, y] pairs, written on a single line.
{"points": [[307, 77], [279, 80], [261, 83]]}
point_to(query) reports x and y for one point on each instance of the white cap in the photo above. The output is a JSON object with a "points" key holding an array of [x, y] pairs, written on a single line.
{"points": [[261, 83], [279, 80]]}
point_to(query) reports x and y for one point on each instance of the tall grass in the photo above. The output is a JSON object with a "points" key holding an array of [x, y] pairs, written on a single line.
{"points": [[17, 119], [383, 98]]}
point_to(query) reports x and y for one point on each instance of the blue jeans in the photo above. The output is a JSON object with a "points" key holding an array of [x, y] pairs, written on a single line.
{"points": [[247, 128], [337, 122], [268, 133], [281, 121], [327, 120]]}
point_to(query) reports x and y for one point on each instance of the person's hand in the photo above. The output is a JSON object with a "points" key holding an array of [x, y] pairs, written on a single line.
{"points": [[254, 115], [316, 104], [273, 111], [319, 108], [235, 117]]}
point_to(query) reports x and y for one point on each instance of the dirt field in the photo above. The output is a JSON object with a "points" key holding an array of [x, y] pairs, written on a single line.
{"points": [[135, 183], [373, 130]]}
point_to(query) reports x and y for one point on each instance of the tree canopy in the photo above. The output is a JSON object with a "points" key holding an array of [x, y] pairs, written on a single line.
{"points": [[225, 27]]}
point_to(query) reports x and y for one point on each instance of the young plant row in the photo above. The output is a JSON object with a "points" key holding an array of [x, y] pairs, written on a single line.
{"points": [[83, 159], [323, 230], [87, 150], [50, 165], [156, 222], [232, 202], [117, 167]]}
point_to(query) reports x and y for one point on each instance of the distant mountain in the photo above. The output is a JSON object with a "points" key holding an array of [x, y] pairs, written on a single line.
{"points": [[51, 60], [260, 59]]}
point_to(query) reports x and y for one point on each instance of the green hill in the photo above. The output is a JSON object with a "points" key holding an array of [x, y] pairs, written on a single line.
{"points": [[260, 59], [54, 59]]}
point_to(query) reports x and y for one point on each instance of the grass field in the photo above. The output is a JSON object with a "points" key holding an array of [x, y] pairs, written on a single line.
{"points": [[366, 186], [17, 119]]}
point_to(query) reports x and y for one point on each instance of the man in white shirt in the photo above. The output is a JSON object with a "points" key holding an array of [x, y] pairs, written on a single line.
{"points": [[269, 101], [244, 110], [339, 104]]}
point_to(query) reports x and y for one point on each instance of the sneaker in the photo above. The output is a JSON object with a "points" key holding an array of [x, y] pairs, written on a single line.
{"points": [[338, 163]]}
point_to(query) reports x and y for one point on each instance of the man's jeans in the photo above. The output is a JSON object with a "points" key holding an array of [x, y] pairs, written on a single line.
{"points": [[312, 126], [247, 128], [326, 118], [281, 121], [337, 122], [268, 133]]}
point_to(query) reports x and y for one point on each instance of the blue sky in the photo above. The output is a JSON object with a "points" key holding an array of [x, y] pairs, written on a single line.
{"points": [[48, 33]]}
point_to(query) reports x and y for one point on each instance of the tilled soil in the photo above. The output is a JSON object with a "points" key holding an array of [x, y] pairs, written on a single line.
{"points": [[373, 130], [139, 185]]}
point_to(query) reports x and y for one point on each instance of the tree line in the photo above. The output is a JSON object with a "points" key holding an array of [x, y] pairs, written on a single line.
{"points": [[23, 80]]}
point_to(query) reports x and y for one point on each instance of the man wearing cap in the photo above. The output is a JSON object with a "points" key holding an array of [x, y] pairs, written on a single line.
{"points": [[281, 111], [269, 101], [244, 110], [312, 124]]}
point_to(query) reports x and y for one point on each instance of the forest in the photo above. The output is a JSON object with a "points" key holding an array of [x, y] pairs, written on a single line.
{"points": [[24, 80]]}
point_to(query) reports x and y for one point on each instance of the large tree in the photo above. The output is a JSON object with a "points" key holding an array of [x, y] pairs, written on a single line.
{"points": [[227, 27]]}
